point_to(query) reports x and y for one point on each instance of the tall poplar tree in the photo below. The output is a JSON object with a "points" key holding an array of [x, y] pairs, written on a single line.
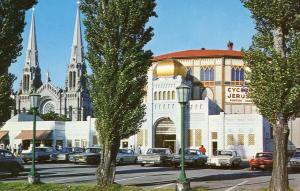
{"points": [[12, 22], [116, 33], [274, 60]]}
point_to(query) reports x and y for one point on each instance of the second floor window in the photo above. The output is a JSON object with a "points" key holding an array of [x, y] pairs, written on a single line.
{"points": [[237, 74], [207, 74]]}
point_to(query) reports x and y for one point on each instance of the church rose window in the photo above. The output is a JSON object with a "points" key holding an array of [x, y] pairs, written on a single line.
{"points": [[49, 107]]}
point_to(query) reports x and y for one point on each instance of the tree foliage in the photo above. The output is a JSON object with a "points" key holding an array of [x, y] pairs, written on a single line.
{"points": [[274, 60], [6, 83], [116, 33], [12, 22], [52, 116]]}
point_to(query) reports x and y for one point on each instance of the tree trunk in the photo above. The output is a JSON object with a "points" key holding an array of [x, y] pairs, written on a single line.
{"points": [[279, 180], [279, 43], [107, 168]]}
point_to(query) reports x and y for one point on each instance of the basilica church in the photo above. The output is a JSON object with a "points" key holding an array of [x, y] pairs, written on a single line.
{"points": [[73, 100]]}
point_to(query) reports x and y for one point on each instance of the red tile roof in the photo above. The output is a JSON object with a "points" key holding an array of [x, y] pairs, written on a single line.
{"points": [[200, 54]]}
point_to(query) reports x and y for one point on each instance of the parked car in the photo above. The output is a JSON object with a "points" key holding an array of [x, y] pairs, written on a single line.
{"points": [[42, 154], [89, 156], [228, 158], [126, 156], [262, 160], [156, 156], [295, 161], [63, 155], [9, 163], [193, 157]]}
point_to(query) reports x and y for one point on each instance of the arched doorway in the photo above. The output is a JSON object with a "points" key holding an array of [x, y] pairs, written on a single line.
{"points": [[165, 134]]}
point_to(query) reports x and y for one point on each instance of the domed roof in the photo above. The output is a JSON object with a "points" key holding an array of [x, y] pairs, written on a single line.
{"points": [[169, 67]]}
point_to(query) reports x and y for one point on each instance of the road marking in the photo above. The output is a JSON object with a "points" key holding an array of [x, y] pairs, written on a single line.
{"points": [[129, 178], [158, 187], [232, 188]]}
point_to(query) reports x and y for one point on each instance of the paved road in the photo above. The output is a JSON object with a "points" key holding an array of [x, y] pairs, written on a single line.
{"points": [[159, 177]]}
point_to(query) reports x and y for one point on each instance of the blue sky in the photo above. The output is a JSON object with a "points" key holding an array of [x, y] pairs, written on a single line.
{"points": [[180, 25]]}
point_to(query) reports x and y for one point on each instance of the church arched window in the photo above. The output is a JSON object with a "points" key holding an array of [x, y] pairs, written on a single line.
{"points": [[155, 95], [159, 96]]}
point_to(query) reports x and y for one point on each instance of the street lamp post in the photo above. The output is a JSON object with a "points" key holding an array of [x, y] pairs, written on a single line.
{"points": [[33, 176], [183, 92]]}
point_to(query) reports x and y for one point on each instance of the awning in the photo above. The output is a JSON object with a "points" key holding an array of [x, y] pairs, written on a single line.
{"points": [[40, 134], [3, 134]]}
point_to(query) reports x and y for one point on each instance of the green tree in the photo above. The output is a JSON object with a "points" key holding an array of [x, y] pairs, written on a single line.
{"points": [[52, 116], [116, 33], [12, 22], [274, 60]]}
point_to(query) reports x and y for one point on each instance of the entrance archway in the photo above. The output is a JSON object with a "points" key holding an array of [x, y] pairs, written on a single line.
{"points": [[165, 134]]}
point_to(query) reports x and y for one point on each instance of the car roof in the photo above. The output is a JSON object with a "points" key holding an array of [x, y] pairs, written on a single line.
{"points": [[264, 153]]}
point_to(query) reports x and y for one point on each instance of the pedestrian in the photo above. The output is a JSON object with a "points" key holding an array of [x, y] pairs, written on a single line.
{"points": [[15, 150], [19, 149], [139, 150], [202, 149], [131, 147]]}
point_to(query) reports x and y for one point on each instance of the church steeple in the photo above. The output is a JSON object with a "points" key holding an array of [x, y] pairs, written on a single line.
{"points": [[76, 69], [31, 72], [77, 52], [32, 53]]}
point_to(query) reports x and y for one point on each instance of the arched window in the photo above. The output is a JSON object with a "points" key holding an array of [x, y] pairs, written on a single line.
{"points": [[159, 96], [164, 95], [202, 74], [237, 74], [242, 74], [206, 74], [169, 95], [211, 74], [155, 95], [233, 74], [173, 95]]}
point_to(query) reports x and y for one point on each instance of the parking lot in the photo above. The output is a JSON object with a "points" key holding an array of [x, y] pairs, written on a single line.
{"points": [[158, 177]]}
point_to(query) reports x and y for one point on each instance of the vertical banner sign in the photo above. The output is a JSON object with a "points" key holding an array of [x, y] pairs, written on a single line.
{"points": [[237, 94]]}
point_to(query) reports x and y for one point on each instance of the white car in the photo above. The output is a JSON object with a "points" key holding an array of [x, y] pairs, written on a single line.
{"points": [[228, 158], [295, 161]]}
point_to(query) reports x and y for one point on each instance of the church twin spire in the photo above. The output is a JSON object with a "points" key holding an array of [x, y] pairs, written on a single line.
{"points": [[76, 69]]}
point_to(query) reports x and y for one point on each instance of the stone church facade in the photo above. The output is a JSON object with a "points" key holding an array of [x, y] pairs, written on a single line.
{"points": [[73, 100]]}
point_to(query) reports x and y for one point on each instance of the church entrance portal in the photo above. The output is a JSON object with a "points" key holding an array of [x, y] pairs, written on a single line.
{"points": [[165, 134]]}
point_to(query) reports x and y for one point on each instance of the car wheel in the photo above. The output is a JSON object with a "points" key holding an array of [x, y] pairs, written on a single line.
{"points": [[15, 172], [121, 162], [142, 164], [252, 168]]}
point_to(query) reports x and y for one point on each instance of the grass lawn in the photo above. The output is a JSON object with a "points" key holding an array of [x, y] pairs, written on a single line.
{"points": [[24, 186]]}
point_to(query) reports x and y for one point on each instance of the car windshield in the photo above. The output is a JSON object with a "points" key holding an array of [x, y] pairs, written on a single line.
{"points": [[297, 154], [93, 150], [190, 152], [124, 151], [42, 149], [67, 150], [225, 153], [263, 155], [156, 151]]}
